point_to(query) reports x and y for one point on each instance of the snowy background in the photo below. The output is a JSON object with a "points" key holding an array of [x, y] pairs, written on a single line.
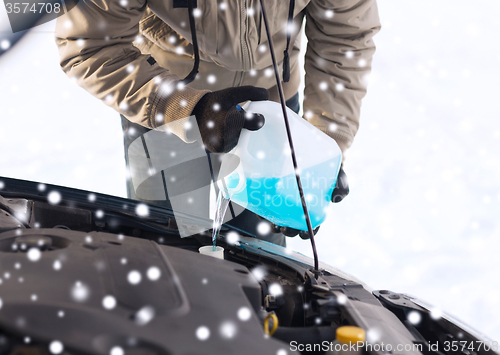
{"points": [[423, 216]]}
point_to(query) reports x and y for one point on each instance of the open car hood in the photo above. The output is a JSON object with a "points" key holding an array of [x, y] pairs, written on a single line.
{"points": [[87, 274]]}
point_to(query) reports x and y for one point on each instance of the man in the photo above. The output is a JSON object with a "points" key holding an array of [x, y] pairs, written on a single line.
{"points": [[132, 54]]}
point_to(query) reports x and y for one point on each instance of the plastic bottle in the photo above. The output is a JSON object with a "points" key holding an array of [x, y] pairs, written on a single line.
{"points": [[264, 179], [349, 341]]}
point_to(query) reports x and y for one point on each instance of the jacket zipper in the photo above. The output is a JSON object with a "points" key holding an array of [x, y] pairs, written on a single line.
{"points": [[244, 42]]}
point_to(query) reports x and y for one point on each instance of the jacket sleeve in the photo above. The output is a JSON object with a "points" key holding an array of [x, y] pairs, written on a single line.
{"points": [[337, 62], [95, 41]]}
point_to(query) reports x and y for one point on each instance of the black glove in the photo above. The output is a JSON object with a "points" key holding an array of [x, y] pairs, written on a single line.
{"points": [[220, 122], [341, 189], [290, 232]]}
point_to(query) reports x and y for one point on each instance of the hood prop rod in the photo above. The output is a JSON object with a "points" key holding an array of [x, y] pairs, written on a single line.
{"points": [[290, 141]]}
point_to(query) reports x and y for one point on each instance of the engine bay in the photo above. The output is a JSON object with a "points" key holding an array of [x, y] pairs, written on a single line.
{"points": [[89, 274]]}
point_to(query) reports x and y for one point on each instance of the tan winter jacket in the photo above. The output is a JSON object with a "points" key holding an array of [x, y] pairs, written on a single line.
{"points": [[107, 45]]}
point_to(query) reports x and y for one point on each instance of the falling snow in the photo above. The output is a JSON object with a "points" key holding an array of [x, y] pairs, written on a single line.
{"points": [[80, 292], [263, 228], [228, 330], [144, 315], [116, 350], [54, 197], [56, 347], [34, 254], [275, 289], [244, 314], [153, 273], [109, 302], [414, 317], [142, 210], [57, 265], [203, 333], [134, 277]]}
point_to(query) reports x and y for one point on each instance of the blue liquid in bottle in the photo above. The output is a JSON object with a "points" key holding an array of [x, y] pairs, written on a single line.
{"points": [[277, 199]]}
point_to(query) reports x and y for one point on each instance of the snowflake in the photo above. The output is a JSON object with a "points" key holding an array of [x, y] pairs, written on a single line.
{"points": [[2, 184], [250, 11], [60, 314], [329, 13], [153, 273], [180, 86], [261, 155], [323, 86], [68, 24], [80, 292], [134, 277], [253, 72], [268, 72], [259, 273], [80, 42], [228, 330], [57, 265], [139, 39], [414, 317], [349, 54], [34, 297], [109, 302], [123, 3], [144, 315], [203, 333], [262, 49], [204, 281], [99, 213], [34, 254], [124, 106], [436, 313], [263, 228], [142, 210], [373, 335], [362, 63], [54, 197], [223, 6], [56, 347], [183, 103], [244, 314], [5, 44], [196, 12], [211, 79], [130, 68], [341, 299], [275, 289], [179, 50], [339, 87], [116, 350], [232, 237]]}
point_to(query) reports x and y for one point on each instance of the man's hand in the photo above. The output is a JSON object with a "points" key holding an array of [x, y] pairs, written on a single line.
{"points": [[220, 122], [341, 189]]}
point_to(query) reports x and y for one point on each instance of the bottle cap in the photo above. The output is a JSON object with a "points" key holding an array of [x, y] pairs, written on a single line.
{"points": [[350, 334]]}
